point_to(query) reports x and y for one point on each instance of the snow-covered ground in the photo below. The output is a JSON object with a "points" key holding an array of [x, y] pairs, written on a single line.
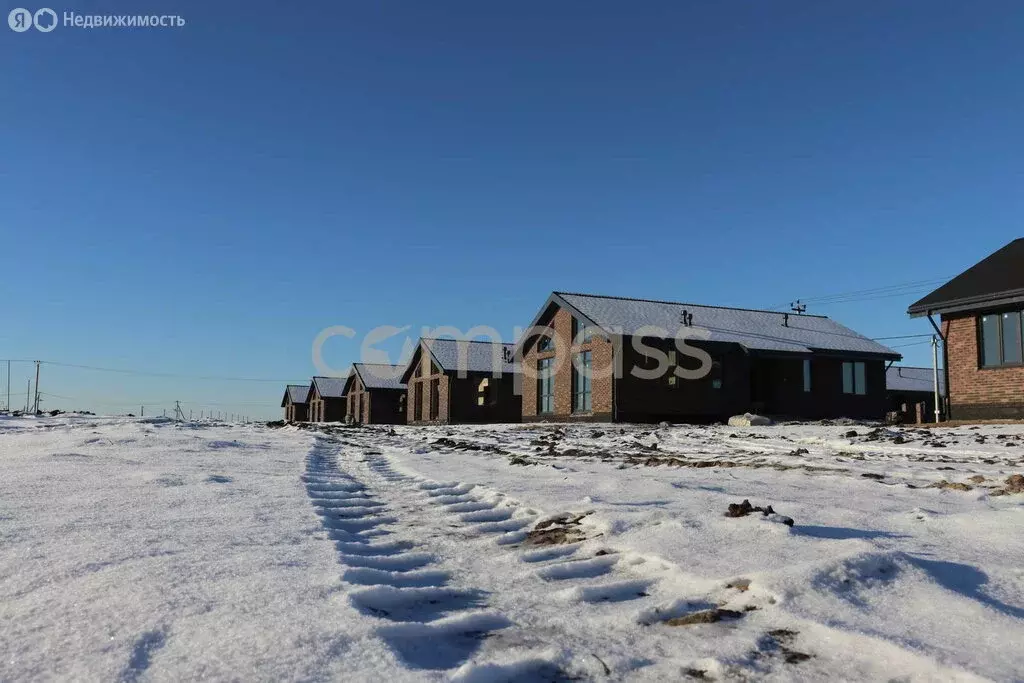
{"points": [[145, 550]]}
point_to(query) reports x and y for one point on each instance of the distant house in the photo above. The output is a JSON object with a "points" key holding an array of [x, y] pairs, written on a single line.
{"points": [[452, 382], [375, 394], [605, 358], [981, 313], [327, 399], [907, 387], [294, 403]]}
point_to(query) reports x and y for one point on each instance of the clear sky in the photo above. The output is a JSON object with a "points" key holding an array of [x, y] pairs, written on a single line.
{"points": [[204, 200]]}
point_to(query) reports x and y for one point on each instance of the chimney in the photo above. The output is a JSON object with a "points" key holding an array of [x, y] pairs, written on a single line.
{"points": [[785, 319]]}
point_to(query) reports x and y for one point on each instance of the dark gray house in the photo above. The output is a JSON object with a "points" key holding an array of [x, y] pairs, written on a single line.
{"points": [[294, 403], [452, 382], [907, 387], [588, 357], [326, 399], [375, 394]]}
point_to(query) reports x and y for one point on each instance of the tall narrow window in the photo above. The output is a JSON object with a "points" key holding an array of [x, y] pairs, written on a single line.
{"points": [[807, 375], [855, 378], [990, 346], [435, 399], [417, 401], [545, 386], [1011, 338], [581, 380]]}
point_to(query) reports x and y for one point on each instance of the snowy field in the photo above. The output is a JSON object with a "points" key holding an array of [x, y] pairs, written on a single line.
{"points": [[135, 550]]}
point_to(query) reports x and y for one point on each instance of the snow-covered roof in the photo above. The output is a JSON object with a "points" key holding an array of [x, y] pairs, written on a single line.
{"points": [[900, 378], [330, 387], [471, 356], [380, 375], [753, 329], [296, 393]]}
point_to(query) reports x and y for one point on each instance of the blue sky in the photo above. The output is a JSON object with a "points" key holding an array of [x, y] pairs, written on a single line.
{"points": [[204, 200]]}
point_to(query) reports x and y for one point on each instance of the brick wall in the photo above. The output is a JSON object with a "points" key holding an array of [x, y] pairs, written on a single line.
{"points": [[428, 373], [975, 392], [602, 364]]}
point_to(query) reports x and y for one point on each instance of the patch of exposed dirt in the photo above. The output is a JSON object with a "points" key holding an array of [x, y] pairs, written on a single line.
{"points": [[745, 508], [707, 616], [559, 530]]}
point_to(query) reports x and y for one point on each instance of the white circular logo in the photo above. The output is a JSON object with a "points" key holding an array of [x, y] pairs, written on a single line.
{"points": [[49, 20], [20, 19]]}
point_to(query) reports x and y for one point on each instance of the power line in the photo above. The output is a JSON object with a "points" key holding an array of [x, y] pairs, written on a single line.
{"points": [[904, 336], [212, 378], [870, 294]]}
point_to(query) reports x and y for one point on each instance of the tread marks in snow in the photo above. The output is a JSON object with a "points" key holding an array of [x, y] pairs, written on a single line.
{"points": [[438, 626]]}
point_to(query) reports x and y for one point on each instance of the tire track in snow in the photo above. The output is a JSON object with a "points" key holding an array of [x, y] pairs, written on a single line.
{"points": [[432, 625]]}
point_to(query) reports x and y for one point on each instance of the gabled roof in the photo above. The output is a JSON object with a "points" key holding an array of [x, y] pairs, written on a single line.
{"points": [[296, 392], [380, 375], [995, 281], [328, 387], [753, 329], [900, 378], [455, 355]]}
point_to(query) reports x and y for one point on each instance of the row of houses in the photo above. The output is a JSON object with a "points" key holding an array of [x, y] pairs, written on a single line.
{"points": [[600, 358]]}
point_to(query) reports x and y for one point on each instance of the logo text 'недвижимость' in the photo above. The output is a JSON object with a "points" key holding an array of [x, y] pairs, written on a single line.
{"points": [[46, 19]]}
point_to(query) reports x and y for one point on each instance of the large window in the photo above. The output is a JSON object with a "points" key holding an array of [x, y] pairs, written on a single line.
{"points": [[807, 375], [1000, 339], [545, 386], [546, 342], [417, 401], [854, 378], [581, 377]]}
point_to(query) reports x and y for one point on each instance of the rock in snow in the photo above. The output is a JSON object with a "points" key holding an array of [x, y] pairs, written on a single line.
{"points": [[749, 420]]}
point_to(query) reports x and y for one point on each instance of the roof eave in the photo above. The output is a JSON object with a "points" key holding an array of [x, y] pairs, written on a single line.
{"points": [[973, 303]]}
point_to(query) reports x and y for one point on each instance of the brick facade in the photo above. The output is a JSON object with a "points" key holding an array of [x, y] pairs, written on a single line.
{"points": [[602, 374], [975, 392], [427, 376]]}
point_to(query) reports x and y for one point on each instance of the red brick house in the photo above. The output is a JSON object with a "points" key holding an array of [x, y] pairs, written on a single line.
{"points": [[374, 394], [602, 358], [981, 312], [294, 402], [454, 382], [326, 399]]}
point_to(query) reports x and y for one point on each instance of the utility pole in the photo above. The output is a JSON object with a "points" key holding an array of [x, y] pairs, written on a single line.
{"points": [[8, 385], [142, 411], [935, 375], [190, 415], [36, 409], [28, 392]]}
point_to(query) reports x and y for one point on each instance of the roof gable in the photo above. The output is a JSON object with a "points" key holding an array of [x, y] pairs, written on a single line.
{"points": [[296, 394], [380, 375], [997, 279], [329, 387]]}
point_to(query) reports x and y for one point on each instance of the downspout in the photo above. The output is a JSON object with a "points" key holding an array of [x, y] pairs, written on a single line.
{"points": [[945, 364]]}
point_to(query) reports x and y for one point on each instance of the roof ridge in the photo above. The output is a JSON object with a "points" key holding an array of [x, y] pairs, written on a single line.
{"points": [[683, 303]]}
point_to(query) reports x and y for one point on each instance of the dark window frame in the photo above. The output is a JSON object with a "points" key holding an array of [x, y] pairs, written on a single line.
{"points": [[855, 387], [545, 386], [582, 382], [1000, 339]]}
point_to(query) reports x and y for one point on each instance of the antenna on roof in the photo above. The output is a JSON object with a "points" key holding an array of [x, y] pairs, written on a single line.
{"points": [[798, 307]]}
